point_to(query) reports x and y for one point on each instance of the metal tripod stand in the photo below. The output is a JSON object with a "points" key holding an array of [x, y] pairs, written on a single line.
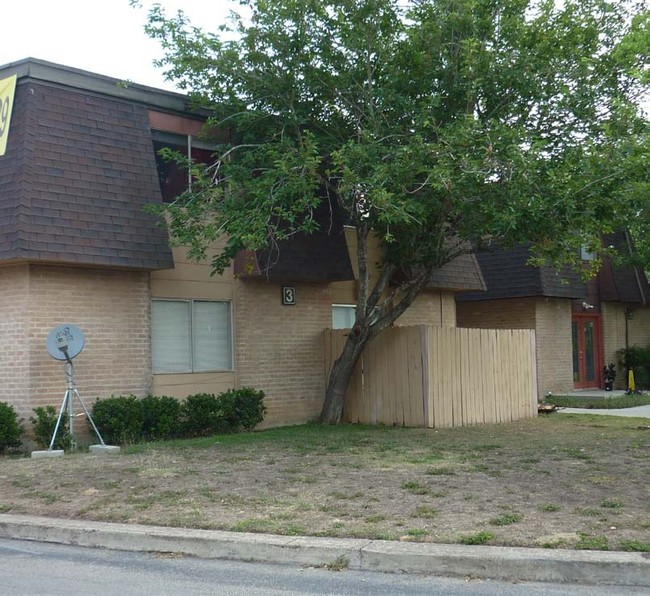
{"points": [[68, 403]]}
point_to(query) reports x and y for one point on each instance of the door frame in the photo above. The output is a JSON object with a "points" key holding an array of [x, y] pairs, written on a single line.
{"points": [[580, 319]]}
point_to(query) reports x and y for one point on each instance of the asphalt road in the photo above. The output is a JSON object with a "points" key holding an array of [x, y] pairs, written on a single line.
{"points": [[39, 569]]}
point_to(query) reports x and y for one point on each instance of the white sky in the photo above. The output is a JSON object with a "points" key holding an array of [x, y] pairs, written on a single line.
{"points": [[102, 36]]}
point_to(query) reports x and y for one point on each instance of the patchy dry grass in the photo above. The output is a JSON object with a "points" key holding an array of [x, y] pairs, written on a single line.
{"points": [[557, 481]]}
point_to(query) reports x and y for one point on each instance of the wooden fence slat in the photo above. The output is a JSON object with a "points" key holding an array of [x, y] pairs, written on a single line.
{"points": [[513, 374], [371, 384], [466, 374], [427, 378], [401, 409], [466, 381], [496, 374], [520, 384], [474, 340], [417, 353], [393, 397], [524, 345], [485, 362], [436, 379], [444, 399], [444, 374], [487, 375], [455, 372], [384, 363], [403, 346], [533, 368]]}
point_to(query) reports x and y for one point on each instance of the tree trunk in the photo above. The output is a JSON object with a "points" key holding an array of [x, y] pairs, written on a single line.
{"points": [[340, 376]]}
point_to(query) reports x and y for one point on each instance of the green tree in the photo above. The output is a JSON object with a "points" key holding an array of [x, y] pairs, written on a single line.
{"points": [[431, 124]]}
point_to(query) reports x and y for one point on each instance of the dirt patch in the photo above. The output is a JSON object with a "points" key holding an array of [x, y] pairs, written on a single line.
{"points": [[558, 481]]}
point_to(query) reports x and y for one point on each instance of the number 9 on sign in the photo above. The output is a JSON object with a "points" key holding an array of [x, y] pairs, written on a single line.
{"points": [[288, 295], [4, 115], [7, 90]]}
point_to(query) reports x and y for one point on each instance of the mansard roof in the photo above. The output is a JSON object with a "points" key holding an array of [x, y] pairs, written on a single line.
{"points": [[79, 169], [507, 274]]}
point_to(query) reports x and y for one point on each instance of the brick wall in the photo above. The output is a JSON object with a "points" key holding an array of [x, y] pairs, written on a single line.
{"points": [[515, 313], [430, 308], [112, 309], [14, 355], [280, 349], [638, 327], [554, 348]]}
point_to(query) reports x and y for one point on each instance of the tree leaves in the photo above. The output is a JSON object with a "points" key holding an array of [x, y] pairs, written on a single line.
{"points": [[432, 124]]}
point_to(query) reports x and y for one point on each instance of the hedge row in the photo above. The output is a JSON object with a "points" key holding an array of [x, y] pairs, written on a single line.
{"points": [[127, 419]]}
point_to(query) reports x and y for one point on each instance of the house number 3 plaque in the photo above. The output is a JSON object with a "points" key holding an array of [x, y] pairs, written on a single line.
{"points": [[288, 295]]}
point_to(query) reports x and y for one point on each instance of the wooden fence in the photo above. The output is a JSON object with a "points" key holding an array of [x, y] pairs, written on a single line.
{"points": [[440, 376]]}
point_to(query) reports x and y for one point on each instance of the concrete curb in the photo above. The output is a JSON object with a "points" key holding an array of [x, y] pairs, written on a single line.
{"points": [[490, 562]]}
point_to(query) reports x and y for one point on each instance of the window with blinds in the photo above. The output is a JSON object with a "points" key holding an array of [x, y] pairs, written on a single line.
{"points": [[190, 336], [343, 316]]}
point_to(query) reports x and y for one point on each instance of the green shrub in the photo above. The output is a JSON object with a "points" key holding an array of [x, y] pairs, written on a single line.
{"points": [[637, 358], [127, 419], [10, 427], [203, 416], [161, 418], [43, 425], [119, 419], [249, 406]]}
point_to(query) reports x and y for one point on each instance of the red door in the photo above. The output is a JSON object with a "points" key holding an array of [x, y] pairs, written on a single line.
{"points": [[587, 351]]}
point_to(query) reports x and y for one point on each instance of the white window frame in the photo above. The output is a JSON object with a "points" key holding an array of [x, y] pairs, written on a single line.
{"points": [[191, 302]]}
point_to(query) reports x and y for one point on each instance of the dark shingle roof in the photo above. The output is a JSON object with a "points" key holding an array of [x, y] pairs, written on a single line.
{"points": [[507, 275], [463, 273], [622, 283], [324, 257], [78, 170], [318, 257]]}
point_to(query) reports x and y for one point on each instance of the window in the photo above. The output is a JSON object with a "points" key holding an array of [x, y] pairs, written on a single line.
{"points": [[173, 176], [586, 254], [343, 316], [190, 336]]}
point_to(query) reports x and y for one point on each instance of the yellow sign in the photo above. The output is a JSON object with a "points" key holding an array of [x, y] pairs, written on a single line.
{"points": [[7, 89]]}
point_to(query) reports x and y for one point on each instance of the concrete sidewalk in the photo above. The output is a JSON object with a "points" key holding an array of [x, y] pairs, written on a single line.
{"points": [[636, 412], [489, 562]]}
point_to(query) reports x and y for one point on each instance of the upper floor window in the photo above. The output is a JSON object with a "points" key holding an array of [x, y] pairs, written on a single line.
{"points": [[173, 176]]}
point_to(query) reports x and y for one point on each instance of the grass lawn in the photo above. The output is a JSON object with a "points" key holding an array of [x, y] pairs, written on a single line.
{"points": [[569, 481]]}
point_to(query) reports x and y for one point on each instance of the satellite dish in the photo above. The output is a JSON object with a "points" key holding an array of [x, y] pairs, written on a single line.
{"points": [[65, 342]]}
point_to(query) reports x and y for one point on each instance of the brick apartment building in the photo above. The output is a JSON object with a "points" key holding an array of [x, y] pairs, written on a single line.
{"points": [[77, 246], [579, 327]]}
